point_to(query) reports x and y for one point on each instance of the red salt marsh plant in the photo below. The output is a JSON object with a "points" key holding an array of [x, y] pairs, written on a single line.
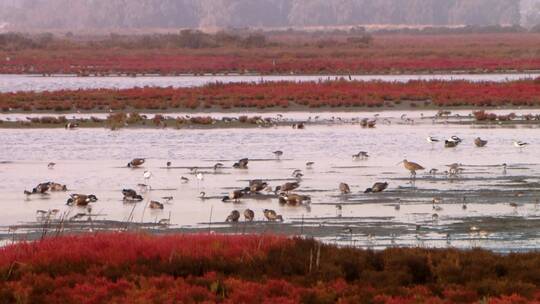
{"points": [[279, 95], [140, 268]]}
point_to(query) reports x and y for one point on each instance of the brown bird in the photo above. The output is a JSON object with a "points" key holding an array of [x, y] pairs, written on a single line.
{"points": [[155, 205], [233, 217], [249, 215], [287, 187], [293, 199], [257, 185], [241, 164], [344, 188], [480, 142], [377, 187], [412, 167], [57, 187], [450, 144], [271, 215], [235, 195], [81, 199], [136, 162]]}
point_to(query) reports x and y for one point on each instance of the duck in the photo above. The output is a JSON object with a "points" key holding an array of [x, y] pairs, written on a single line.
{"points": [[241, 164], [450, 144], [249, 215], [234, 196], [156, 205], [293, 199], [81, 199], [56, 187], [290, 186], [131, 195], [377, 187], [234, 216], [136, 162], [272, 216], [344, 188], [257, 185], [480, 142], [41, 188]]}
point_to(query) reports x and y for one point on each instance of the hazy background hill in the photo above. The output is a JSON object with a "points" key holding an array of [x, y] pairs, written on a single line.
{"points": [[141, 14]]}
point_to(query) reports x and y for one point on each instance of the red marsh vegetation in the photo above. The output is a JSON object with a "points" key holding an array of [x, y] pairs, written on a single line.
{"points": [[282, 95], [284, 53], [138, 268]]}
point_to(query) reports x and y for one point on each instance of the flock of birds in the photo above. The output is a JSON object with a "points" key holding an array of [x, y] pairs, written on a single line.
{"points": [[285, 193]]}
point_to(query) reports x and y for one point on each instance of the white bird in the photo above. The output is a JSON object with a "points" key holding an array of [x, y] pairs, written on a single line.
{"points": [[200, 178], [432, 140], [520, 144], [147, 175]]}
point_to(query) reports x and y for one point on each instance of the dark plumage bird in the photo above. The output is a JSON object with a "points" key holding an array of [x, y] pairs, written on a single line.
{"points": [[81, 199], [377, 187], [156, 205], [169, 164], [287, 187], [136, 162], [131, 195], [234, 216], [480, 142], [278, 154], [241, 164], [451, 143], [249, 215], [344, 188]]}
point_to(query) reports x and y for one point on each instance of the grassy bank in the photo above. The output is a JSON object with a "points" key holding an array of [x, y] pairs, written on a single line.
{"points": [[254, 269]]}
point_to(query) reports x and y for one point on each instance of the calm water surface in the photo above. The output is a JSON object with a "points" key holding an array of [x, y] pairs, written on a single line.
{"points": [[94, 161]]}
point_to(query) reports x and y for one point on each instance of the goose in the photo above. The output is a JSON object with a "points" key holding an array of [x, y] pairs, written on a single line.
{"points": [[272, 216], [377, 187], [480, 142], [156, 205], [136, 162], [81, 199], [249, 215], [241, 164], [234, 216], [344, 188], [287, 187]]}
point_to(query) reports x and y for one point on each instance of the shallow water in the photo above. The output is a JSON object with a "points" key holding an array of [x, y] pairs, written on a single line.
{"points": [[15, 83], [94, 161]]}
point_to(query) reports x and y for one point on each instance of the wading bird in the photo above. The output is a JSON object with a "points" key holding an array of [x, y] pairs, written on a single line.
{"points": [[412, 167], [136, 162]]}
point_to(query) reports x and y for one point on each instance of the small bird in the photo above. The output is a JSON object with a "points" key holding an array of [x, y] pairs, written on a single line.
{"points": [[241, 164], [520, 144], [218, 166], [184, 180], [234, 216], [81, 199], [271, 215], [136, 162], [432, 140], [147, 175], [344, 188], [309, 164], [278, 154], [360, 155], [287, 187], [51, 165], [169, 164], [450, 144], [249, 215], [156, 205], [480, 142], [377, 187]]}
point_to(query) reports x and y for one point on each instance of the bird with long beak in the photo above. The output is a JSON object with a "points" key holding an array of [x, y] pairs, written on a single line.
{"points": [[412, 167]]}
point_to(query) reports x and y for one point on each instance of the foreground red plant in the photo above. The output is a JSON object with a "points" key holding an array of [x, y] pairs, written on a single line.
{"points": [[283, 95], [139, 268]]}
